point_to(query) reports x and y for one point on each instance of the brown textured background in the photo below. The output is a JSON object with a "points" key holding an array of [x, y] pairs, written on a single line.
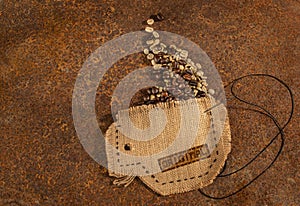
{"points": [[43, 45]]}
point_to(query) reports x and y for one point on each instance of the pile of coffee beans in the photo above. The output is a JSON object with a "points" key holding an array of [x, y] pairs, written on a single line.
{"points": [[180, 77]]}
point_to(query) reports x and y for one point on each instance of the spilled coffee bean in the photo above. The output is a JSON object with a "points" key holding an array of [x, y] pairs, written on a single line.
{"points": [[180, 77], [158, 17]]}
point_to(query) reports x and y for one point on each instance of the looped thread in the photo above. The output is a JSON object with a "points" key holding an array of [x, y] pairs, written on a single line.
{"points": [[268, 114]]}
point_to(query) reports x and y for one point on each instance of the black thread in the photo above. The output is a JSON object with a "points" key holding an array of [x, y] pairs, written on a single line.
{"points": [[268, 114]]}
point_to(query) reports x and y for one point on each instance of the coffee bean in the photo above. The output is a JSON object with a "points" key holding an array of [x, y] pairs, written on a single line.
{"points": [[155, 50], [195, 92], [172, 46], [160, 54], [146, 98], [154, 90], [211, 91], [164, 61], [150, 56], [201, 94], [152, 97], [166, 57], [151, 102], [164, 94], [187, 77], [183, 57], [177, 71], [149, 29], [177, 57], [150, 21], [169, 99], [188, 71], [162, 99], [199, 78], [150, 41], [155, 34], [175, 65], [156, 58], [200, 73], [160, 17], [188, 66], [193, 83], [194, 77], [156, 66], [193, 69], [198, 65], [157, 17], [156, 42], [204, 83], [182, 62], [184, 52], [163, 45]]}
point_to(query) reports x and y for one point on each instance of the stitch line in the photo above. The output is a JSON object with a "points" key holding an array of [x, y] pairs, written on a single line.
{"points": [[118, 154], [190, 178]]}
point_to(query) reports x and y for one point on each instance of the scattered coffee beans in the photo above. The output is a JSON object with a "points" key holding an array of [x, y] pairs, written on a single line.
{"points": [[181, 78]]}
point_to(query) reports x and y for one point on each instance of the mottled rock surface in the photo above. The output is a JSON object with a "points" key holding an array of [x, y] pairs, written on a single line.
{"points": [[43, 45]]}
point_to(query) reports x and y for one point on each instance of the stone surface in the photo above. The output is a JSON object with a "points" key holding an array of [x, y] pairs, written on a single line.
{"points": [[43, 45]]}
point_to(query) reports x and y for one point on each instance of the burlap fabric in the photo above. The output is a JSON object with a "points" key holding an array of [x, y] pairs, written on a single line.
{"points": [[174, 147]]}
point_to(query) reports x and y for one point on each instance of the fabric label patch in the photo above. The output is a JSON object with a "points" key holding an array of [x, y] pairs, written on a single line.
{"points": [[183, 158]]}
